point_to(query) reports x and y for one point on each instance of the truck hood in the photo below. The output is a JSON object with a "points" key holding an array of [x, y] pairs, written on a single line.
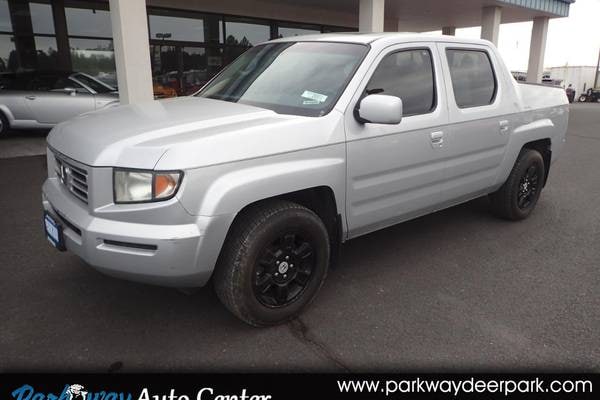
{"points": [[137, 136]]}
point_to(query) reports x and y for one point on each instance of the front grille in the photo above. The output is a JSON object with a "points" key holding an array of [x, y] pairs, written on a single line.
{"points": [[74, 178]]}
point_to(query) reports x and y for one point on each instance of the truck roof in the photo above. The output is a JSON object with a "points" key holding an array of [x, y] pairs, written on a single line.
{"points": [[367, 38]]}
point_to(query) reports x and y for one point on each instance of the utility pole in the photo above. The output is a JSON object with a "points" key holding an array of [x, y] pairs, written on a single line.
{"points": [[597, 68]]}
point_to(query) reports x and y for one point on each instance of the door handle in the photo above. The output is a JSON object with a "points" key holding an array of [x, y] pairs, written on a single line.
{"points": [[30, 97], [503, 127], [437, 139]]}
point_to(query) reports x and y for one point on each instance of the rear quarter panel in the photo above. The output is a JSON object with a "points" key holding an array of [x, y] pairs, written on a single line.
{"points": [[544, 115]]}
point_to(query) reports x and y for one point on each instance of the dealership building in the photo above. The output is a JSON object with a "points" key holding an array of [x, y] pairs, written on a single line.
{"points": [[177, 45]]}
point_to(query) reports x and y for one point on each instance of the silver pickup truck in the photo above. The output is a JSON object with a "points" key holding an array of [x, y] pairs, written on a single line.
{"points": [[296, 147]]}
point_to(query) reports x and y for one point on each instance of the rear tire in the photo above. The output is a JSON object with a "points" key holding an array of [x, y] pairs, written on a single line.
{"points": [[517, 198], [273, 262], [582, 99], [4, 125]]}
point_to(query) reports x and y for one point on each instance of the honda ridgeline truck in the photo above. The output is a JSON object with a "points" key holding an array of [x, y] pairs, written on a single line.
{"points": [[298, 145]]}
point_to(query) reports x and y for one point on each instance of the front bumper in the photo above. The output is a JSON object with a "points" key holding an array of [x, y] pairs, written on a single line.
{"points": [[182, 255]]}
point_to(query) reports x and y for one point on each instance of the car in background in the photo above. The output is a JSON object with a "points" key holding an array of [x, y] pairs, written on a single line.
{"points": [[163, 92], [30, 100]]}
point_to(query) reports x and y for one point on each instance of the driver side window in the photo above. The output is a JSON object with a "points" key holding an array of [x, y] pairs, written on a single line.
{"points": [[407, 74], [56, 83]]}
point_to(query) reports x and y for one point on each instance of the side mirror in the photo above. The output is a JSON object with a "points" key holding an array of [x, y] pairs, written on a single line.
{"points": [[70, 90], [379, 109]]}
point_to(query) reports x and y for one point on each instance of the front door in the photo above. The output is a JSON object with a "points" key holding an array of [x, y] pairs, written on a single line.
{"points": [[395, 171], [56, 98]]}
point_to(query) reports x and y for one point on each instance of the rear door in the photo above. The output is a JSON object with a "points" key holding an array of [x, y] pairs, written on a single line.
{"points": [[394, 172], [52, 100], [480, 113]]}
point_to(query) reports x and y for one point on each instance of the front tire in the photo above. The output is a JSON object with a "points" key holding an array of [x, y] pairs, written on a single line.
{"points": [[517, 198], [273, 263], [4, 125]]}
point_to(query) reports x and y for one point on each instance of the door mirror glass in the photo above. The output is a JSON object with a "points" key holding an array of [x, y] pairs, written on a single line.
{"points": [[380, 109], [67, 90]]}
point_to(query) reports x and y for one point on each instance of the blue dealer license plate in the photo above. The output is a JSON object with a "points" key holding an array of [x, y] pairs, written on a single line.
{"points": [[54, 232]]}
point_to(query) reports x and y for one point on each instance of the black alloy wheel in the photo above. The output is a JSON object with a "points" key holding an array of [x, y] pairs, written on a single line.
{"points": [[528, 187], [284, 269]]}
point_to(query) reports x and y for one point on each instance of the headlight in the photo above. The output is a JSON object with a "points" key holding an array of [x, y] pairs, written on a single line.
{"points": [[139, 186]]}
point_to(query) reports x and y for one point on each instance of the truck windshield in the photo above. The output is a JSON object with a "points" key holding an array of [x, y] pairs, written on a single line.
{"points": [[299, 78]]}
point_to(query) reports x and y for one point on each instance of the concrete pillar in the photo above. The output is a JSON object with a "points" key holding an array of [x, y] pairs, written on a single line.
{"points": [[449, 30], [371, 15], [537, 48], [391, 25], [490, 23], [132, 50]]}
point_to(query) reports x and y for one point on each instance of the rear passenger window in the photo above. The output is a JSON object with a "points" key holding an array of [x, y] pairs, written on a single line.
{"points": [[407, 74], [472, 76]]}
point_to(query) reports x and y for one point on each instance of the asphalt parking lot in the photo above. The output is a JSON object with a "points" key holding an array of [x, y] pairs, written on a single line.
{"points": [[456, 290]]}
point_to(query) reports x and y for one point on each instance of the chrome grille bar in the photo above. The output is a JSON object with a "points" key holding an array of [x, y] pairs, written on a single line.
{"points": [[74, 178]]}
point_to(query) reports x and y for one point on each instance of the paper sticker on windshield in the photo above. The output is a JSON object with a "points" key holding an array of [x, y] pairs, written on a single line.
{"points": [[314, 96], [311, 102]]}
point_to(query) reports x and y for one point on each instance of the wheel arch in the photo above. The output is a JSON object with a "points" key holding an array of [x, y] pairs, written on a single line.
{"points": [[7, 113], [539, 135], [544, 147], [319, 199]]}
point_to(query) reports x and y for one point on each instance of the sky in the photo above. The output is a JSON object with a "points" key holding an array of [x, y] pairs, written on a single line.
{"points": [[574, 40]]}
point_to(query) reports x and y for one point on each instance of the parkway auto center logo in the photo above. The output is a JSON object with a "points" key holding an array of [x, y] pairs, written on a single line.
{"points": [[79, 392], [69, 392]]}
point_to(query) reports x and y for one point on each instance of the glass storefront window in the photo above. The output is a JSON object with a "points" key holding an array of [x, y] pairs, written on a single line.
{"points": [[88, 22], [287, 31], [165, 70], [8, 61], [46, 52], [95, 57], [233, 52], [5, 24], [330, 29], [194, 71], [41, 18], [246, 33], [176, 28]]}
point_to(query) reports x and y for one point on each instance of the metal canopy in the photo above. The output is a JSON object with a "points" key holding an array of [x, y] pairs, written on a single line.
{"points": [[428, 15]]}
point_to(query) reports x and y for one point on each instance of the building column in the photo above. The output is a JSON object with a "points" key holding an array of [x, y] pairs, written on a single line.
{"points": [[490, 23], [132, 50], [537, 48], [449, 30], [25, 56], [371, 15], [62, 37]]}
